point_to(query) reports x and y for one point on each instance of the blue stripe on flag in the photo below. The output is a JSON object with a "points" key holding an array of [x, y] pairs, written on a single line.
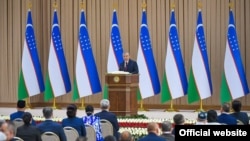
{"points": [[31, 43], [58, 47], [203, 48], [116, 40], [88, 57], [148, 54], [235, 51], [175, 45]]}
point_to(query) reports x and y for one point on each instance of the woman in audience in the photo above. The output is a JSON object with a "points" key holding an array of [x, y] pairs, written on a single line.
{"points": [[93, 121], [73, 121], [27, 132]]}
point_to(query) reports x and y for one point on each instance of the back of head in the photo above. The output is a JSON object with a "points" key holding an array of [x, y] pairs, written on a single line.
{"points": [[126, 136], [10, 133], [89, 109], [71, 110], [202, 116], [27, 118], [236, 106], [81, 138], [166, 126], [47, 112], [226, 107], [179, 119], [21, 104], [110, 138], [153, 128], [211, 116], [104, 104]]}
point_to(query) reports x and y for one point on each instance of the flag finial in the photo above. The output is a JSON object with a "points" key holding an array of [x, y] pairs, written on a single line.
{"points": [[82, 5], [199, 4], [230, 5], [55, 4], [144, 5], [29, 4], [172, 5], [115, 5]]}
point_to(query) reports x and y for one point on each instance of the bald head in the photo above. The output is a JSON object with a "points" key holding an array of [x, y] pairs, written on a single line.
{"points": [[126, 136], [153, 128]]}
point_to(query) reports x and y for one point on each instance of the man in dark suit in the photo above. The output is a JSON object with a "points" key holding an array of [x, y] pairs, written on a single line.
{"points": [[225, 117], [166, 128], [105, 114], [128, 64], [241, 116], [50, 126], [153, 133]]}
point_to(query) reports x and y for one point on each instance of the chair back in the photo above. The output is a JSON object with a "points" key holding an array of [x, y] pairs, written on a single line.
{"points": [[239, 122], [71, 133], [50, 136], [18, 122], [18, 139], [90, 132], [107, 128]]}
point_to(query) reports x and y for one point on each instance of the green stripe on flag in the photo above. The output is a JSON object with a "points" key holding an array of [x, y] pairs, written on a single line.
{"points": [[225, 95], [165, 93], [75, 95], [193, 94], [22, 91], [48, 94], [105, 92], [138, 94]]}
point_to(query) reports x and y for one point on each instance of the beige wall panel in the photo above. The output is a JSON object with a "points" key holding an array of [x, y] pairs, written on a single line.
{"points": [[247, 42]]}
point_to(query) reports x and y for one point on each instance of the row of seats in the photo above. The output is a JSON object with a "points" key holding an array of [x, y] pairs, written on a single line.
{"points": [[71, 133]]}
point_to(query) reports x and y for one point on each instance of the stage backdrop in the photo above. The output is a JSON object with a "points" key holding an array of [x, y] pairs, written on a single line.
{"points": [[99, 18]]}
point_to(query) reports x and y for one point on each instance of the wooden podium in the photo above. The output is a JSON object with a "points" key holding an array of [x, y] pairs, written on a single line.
{"points": [[122, 89]]}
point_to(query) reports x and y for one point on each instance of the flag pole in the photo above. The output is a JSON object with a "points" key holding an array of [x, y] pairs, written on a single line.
{"points": [[82, 104], [28, 105], [201, 107], [54, 103], [141, 106]]}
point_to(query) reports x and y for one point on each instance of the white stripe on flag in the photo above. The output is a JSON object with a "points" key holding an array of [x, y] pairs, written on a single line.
{"points": [[199, 71], [112, 62], [232, 76], [173, 77], [55, 74], [29, 73], [145, 84], [82, 78]]}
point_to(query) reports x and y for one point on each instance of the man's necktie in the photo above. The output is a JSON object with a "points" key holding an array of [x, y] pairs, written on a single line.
{"points": [[126, 66]]}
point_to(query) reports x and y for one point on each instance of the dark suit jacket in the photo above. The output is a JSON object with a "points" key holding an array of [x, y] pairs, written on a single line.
{"points": [[28, 133], [19, 114], [227, 119], [168, 136], [113, 119], [242, 116], [76, 123], [152, 137], [132, 67], [51, 126]]}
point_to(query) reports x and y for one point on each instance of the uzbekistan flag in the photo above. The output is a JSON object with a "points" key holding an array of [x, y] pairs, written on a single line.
{"points": [[176, 79], [234, 84], [31, 78], [200, 83], [115, 50], [149, 83], [57, 80], [87, 78]]}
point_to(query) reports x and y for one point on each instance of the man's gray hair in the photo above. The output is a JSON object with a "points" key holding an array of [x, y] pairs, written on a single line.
{"points": [[47, 112], [104, 104], [166, 126]]}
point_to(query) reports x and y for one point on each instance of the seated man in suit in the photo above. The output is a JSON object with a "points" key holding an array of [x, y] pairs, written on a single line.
{"points": [[20, 111], [105, 114], [166, 128], [225, 117], [153, 133], [128, 64], [241, 116], [50, 126]]}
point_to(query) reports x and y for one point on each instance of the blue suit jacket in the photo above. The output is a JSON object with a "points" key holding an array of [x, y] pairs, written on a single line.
{"points": [[227, 119], [132, 67], [152, 137], [242, 116], [76, 123], [19, 114], [51, 126], [112, 118]]}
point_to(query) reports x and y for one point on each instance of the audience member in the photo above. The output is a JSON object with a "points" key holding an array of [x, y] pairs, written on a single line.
{"points": [[81, 138], [212, 118], [178, 120], [241, 116], [2, 136], [153, 133], [50, 126], [110, 138], [105, 114], [94, 121], [21, 104], [166, 128], [126, 136], [225, 117], [27, 132], [3, 125], [74, 121], [10, 132], [202, 118]]}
